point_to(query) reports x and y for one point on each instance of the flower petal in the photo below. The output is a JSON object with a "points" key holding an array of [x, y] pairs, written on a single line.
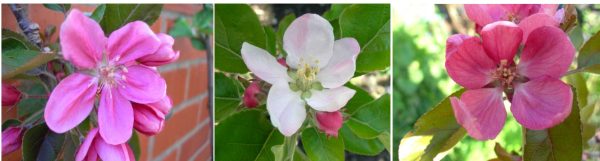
{"points": [[263, 64], [309, 39], [279, 99], [165, 53], [70, 102], [342, 65], [86, 147], [143, 85], [481, 112], [132, 41], [109, 152], [535, 21], [483, 14], [453, 42], [115, 117], [547, 52], [470, 66], [292, 118], [330, 100], [541, 103], [82, 40], [501, 40]]}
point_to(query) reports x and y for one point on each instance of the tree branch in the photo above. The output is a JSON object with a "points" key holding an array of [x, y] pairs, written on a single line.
{"points": [[30, 29]]}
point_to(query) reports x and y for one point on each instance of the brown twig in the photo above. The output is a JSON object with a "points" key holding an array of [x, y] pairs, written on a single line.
{"points": [[30, 29]]}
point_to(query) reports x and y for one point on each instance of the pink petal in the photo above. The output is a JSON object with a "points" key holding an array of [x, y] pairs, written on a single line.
{"points": [[292, 117], [541, 103], [483, 14], [86, 147], [549, 9], [132, 41], [308, 39], [547, 52], [470, 66], [115, 117], [147, 119], [12, 137], [10, 95], [108, 152], [143, 85], [330, 100], [82, 40], [535, 21], [70, 102], [453, 42], [481, 112], [501, 40], [263, 64], [330, 122], [250, 92], [520, 11], [342, 64], [164, 54], [280, 99]]}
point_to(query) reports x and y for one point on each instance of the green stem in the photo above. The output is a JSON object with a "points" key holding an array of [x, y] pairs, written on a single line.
{"points": [[290, 147], [32, 117], [574, 71]]}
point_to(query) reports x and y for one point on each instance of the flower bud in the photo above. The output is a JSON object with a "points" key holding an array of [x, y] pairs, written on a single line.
{"points": [[10, 95], [250, 99], [94, 148], [149, 118], [164, 54], [12, 138], [330, 122], [282, 62]]}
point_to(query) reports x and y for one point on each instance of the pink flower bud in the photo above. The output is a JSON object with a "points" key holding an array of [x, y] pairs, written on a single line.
{"points": [[95, 148], [164, 54], [10, 95], [250, 99], [282, 62], [149, 118], [330, 122], [11, 139]]}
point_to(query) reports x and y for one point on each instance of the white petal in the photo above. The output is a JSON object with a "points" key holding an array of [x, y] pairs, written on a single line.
{"points": [[279, 98], [309, 39], [292, 118], [330, 100], [263, 64], [342, 64]]}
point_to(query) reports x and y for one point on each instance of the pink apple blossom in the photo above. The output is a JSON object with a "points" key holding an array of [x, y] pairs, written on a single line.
{"points": [[486, 67], [330, 122], [165, 53], [106, 69], [149, 118], [10, 95], [318, 68], [94, 147], [527, 16], [12, 137], [250, 99]]}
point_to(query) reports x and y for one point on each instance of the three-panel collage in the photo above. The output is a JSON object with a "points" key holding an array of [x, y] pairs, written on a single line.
{"points": [[395, 81]]}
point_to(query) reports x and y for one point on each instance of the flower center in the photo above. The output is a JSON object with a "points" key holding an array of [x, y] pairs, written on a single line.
{"points": [[304, 79], [513, 18], [505, 74], [111, 75]]}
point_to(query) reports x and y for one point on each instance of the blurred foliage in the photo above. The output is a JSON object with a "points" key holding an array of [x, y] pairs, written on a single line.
{"points": [[420, 80]]}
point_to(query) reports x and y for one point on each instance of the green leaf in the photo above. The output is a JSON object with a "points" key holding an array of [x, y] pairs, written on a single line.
{"points": [[197, 43], [203, 20], [374, 39], [335, 11], [15, 62], [360, 98], [234, 25], [271, 42], [134, 143], [9, 123], [181, 28], [435, 132], [227, 96], [35, 99], [589, 55], [71, 146], [282, 27], [559, 143], [51, 146], [248, 135], [355, 144], [371, 117], [58, 7], [98, 13], [12, 40], [40, 143], [320, 147], [117, 15]]}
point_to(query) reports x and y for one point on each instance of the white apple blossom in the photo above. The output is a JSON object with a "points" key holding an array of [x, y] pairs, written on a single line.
{"points": [[319, 66]]}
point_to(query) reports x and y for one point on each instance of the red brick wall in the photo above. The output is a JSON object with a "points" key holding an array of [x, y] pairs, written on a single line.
{"points": [[187, 134]]}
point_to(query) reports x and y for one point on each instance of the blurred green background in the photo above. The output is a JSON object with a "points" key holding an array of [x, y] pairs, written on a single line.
{"points": [[420, 80]]}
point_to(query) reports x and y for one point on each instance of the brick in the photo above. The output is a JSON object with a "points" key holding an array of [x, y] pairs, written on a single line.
{"points": [[198, 80], [187, 51], [200, 138], [175, 84], [206, 154], [175, 128], [188, 9], [171, 157], [9, 113], [204, 112], [143, 146]]}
